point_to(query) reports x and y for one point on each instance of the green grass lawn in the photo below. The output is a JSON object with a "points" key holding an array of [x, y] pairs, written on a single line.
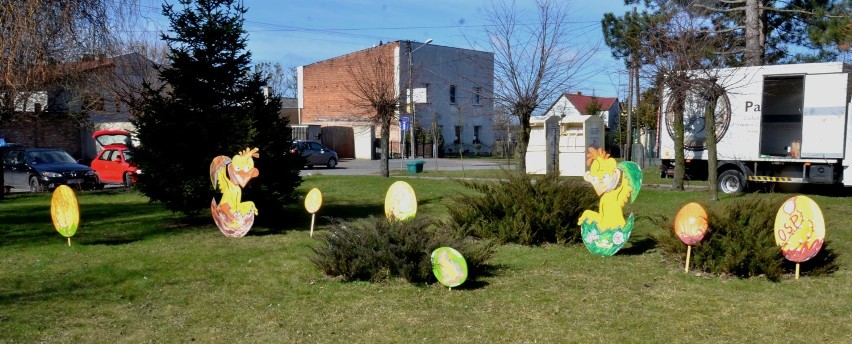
{"points": [[138, 273]]}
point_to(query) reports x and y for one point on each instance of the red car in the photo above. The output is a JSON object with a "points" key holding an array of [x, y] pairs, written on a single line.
{"points": [[113, 163]]}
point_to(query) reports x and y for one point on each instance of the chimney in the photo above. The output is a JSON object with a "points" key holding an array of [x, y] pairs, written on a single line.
{"points": [[579, 93]]}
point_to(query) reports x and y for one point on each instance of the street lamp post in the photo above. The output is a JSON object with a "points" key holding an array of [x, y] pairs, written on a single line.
{"points": [[411, 95]]}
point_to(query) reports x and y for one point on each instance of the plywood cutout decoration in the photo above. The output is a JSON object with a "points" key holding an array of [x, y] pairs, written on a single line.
{"points": [[799, 229], [690, 226], [313, 202], [606, 231], [65, 211], [229, 176], [400, 202], [449, 266]]}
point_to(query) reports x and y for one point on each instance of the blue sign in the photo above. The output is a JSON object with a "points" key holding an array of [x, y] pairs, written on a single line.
{"points": [[403, 123]]}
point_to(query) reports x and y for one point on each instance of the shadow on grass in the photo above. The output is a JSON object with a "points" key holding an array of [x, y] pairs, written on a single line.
{"points": [[639, 246], [296, 218], [101, 223]]}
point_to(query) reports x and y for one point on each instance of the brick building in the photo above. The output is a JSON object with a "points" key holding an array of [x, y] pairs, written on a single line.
{"points": [[452, 92]]}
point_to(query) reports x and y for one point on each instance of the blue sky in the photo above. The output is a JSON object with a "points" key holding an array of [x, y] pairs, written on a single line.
{"points": [[297, 32]]}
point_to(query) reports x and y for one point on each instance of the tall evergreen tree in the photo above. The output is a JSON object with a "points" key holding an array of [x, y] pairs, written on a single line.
{"points": [[209, 103]]}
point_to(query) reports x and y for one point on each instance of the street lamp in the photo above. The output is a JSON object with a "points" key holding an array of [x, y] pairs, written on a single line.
{"points": [[411, 94]]}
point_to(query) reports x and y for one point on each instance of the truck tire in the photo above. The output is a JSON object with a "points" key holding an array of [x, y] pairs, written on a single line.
{"points": [[731, 182]]}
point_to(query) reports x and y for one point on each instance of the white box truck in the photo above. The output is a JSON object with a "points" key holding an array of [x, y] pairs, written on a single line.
{"points": [[776, 124]]}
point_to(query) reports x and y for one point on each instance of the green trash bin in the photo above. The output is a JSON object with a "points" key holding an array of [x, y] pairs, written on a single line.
{"points": [[415, 166]]}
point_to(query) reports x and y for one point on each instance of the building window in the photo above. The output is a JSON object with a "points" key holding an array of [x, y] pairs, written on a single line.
{"points": [[458, 134], [452, 94], [476, 134], [476, 95]]}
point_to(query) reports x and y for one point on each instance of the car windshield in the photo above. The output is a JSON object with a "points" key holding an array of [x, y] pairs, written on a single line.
{"points": [[50, 156]]}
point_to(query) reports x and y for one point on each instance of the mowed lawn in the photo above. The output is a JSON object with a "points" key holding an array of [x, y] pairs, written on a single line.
{"points": [[138, 273]]}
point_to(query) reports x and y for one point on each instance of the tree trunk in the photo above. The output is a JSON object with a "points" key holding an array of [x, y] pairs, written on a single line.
{"points": [[2, 181], [753, 34], [710, 130], [523, 142], [678, 97], [384, 169], [628, 156]]}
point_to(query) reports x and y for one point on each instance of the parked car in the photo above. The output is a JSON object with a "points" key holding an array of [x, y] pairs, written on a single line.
{"points": [[39, 169], [113, 163], [315, 153]]}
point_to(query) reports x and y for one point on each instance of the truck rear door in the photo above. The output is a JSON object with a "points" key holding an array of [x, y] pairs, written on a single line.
{"points": [[824, 115]]}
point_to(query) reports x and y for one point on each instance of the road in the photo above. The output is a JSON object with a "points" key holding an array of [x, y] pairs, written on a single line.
{"points": [[371, 167]]}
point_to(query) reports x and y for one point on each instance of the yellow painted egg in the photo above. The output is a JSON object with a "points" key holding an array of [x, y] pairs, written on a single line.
{"points": [[690, 223], [799, 229], [65, 211], [313, 201], [400, 201]]}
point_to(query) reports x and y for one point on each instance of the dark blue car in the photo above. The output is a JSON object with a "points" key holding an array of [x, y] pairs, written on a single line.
{"points": [[39, 169]]}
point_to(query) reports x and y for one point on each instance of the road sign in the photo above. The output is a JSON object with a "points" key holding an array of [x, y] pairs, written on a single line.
{"points": [[403, 123]]}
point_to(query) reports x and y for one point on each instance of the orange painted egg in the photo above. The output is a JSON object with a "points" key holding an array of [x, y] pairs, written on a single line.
{"points": [[65, 211], [400, 201], [690, 223], [799, 229], [313, 201]]}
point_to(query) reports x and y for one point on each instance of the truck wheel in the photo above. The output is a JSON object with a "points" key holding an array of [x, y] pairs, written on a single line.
{"points": [[731, 182]]}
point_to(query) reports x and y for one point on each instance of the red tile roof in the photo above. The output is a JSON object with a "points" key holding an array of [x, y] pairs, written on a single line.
{"points": [[582, 102]]}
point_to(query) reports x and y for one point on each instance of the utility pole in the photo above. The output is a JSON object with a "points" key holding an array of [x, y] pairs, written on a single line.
{"points": [[410, 102]]}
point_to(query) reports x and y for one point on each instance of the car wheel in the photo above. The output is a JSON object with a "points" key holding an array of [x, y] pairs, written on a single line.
{"points": [[34, 186], [731, 182], [332, 163], [128, 180]]}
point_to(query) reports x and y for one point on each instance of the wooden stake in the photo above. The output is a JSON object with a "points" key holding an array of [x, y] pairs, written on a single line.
{"points": [[688, 252], [797, 270], [69, 241], [312, 224]]}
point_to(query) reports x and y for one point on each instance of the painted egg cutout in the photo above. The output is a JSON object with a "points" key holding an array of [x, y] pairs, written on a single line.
{"points": [[691, 224], [449, 266], [65, 211], [400, 201], [313, 201], [799, 229]]}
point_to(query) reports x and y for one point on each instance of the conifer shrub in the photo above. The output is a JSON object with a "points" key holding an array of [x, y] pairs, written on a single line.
{"points": [[523, 210], [740, 241], [375, 249]]}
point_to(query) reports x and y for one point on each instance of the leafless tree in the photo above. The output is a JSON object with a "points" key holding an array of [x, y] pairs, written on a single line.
{"points": [[373, 89], [281, 79], [683, 51], [37, 40], [534, 60]]}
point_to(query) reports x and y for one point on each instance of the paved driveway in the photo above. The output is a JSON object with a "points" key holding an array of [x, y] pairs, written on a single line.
{"points": [[371, 167]]}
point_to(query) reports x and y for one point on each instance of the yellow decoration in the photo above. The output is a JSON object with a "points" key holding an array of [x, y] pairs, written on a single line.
{"points": [[65, 211], [313, 201], [799, 229], [691, 223], [233, 216], [400, 202]]}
